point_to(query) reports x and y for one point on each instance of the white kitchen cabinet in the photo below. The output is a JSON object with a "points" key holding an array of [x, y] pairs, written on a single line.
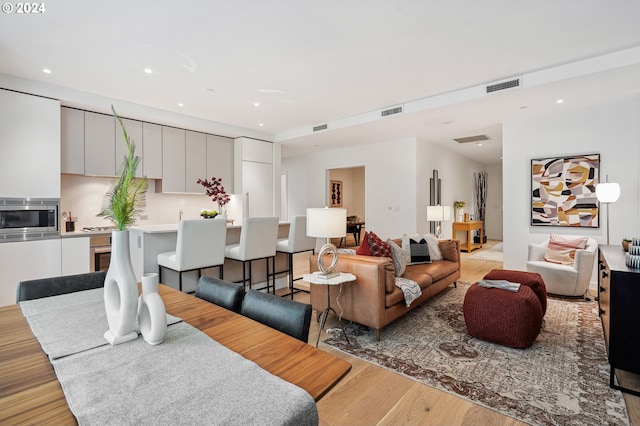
{"points": [[134, 130], [75, 254], [195, 161], [152, 150], [27, 260], [99, 144], [29, 146], [72, 140], [257, 188], [173, 159], [220, 160]]}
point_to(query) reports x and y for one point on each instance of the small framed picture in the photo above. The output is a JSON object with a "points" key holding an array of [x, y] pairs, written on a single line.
{"points": [[335, 193]]}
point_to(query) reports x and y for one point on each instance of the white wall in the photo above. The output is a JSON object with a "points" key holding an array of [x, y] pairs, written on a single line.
{"points": [[613, 131]]}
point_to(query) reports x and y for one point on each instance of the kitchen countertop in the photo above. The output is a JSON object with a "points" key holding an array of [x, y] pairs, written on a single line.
{"points": [[80, 234]]}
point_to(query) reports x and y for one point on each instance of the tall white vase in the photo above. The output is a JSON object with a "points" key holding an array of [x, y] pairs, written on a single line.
{"points": [[120, 292], [152, 315]]}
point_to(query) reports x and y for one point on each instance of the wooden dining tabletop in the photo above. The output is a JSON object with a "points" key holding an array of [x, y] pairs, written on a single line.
{"points": [[31, 394]]}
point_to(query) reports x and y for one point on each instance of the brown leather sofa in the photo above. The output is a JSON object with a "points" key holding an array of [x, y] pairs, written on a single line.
{"points": [[373, 299]]}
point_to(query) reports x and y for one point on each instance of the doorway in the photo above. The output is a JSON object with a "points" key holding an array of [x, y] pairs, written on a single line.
{"points": [[346, 189]]}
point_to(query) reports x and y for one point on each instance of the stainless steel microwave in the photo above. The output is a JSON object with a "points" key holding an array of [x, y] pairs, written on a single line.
{"points": [[24, 219]]}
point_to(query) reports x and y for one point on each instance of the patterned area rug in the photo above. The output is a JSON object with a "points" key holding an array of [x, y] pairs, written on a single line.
{"points": [[491, 254], [563, 379]]}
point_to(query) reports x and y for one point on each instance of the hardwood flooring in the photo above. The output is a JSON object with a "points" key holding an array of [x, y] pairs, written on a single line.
{"points": [[372, 395]]}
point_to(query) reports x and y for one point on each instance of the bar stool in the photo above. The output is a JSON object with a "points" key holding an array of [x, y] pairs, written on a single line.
{"points": [[200, 245], [257, 241], [297, 242]]}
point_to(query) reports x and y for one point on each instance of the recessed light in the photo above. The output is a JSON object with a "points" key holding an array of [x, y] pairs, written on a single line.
{"points": [[260, 124], [46, 71], [479, 144], [256, 104], [148, 70], [180, 104], [559, 101]]}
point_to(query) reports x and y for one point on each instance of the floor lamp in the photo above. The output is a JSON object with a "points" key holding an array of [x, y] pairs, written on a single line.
{"points": [[607, 193], [438, 214]]}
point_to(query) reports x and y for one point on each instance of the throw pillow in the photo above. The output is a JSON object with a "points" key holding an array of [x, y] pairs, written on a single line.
{"points": [[562, 250], [432, 244], [398, 257], [377, 247], [363, 250], [434, 247]]}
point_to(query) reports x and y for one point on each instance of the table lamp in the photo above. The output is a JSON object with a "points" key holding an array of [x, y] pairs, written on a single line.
{"points": [[327, 223], [607, 193], [438, 214]]}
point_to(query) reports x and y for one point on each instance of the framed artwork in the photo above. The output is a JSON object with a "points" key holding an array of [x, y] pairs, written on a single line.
{"points": [[563, 191], [335, 193]]}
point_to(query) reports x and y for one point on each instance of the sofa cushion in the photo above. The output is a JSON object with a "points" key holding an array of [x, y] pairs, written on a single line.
{"points": [[377, 247], [436, 270], [398, 257], [563, 250], [449, 250], [363, 250]]}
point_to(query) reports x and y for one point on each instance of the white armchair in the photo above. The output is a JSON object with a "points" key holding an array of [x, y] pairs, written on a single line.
{"points": [[564, 280]]}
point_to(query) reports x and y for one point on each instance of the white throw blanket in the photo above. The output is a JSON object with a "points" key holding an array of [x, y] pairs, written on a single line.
{"points": [[503, 284], [410, 289]]}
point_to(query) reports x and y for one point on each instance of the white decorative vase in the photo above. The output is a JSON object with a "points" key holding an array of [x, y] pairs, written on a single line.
{"points": [[120, 292], [152, 315], [459, 214]]}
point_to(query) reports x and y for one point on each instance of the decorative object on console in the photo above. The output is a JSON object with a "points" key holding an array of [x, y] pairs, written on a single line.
{"points": [[125, 203], [459, 206], [327, 223], [607, 193], [215, 190], [438, 214], [626, 242], [152, 315], [562, 191]]}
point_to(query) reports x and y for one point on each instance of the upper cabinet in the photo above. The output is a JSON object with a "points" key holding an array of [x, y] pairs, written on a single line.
{"points": [[173, 159], [196, 161], [72, 136], [152, 150], [99, 144], [220, 161], [134, 131]]}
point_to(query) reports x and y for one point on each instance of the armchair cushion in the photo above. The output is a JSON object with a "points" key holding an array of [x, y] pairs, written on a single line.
{"points": [[562, 250]]}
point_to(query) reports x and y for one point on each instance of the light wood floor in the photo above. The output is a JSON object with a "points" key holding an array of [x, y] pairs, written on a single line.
{"points": [[372, 395]]}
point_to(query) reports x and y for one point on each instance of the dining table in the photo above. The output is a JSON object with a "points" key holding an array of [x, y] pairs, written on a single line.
{"points": [[30, 392]]}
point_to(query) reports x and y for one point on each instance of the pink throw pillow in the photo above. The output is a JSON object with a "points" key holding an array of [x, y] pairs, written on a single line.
{"points": [[562, 250]]}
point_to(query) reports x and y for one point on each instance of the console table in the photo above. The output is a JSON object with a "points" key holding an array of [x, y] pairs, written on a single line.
{"points": [[618, 298], [468, 227]]}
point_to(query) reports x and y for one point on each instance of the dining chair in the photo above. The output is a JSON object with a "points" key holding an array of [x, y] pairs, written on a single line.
{"points": [[288, 316], [296, 242], [55, 286], [220, 292], [200, 245], [258, 238]]}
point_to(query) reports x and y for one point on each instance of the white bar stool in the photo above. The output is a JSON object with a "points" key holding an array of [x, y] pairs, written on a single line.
{"points": [[297, 242], [258, 238], [200, 245]]}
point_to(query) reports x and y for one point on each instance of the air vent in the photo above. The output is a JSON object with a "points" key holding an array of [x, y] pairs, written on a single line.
{"points": [[476, 138], [320, 127], [391, 111], [503, 85]]}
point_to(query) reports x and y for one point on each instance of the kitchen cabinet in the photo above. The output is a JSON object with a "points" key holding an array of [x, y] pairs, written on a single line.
{"points": [[75, 255], [134, 130], [618, 297], [173, 159], [99, 144], [72, 140], [152, 150], [220, 160], [195, 161], [255, 179]]}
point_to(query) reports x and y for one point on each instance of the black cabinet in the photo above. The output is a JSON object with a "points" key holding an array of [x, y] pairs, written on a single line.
{"points": [[619, 303]]}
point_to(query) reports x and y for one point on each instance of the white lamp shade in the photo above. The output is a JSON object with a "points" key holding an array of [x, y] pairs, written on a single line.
{"points": [[438, 213], [607, 192], [326, 222]]}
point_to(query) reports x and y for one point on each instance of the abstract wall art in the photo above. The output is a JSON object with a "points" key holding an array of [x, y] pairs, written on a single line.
{"points": [[563, 191], [335, 193]]}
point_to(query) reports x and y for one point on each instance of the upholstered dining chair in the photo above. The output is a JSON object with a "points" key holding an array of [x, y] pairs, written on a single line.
{"points": [[560, 279], [55, 286], [220, 292], [200, 245], [288, 316], [296, 242], [258, 238]]}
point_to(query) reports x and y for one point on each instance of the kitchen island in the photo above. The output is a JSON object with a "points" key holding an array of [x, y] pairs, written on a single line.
{"points": [[146, 241]]}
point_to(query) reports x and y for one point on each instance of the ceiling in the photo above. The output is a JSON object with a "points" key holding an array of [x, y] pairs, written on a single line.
{"points": [[284, 66]]}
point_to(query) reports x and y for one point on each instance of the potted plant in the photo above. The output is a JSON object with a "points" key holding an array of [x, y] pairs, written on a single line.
{"points": [[626, 242], [124, 203], [215, 190], [459, 206]]}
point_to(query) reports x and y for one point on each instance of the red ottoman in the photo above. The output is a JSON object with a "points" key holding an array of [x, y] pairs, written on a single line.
{"points": [[505, 317]]}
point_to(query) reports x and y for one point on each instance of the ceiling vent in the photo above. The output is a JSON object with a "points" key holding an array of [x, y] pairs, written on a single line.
{"points": [[503, 85], [469, 139], [391, 111], [320, 127]]}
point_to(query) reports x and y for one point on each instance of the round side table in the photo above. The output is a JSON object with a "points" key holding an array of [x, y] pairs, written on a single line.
{"points": [[337, 280]]}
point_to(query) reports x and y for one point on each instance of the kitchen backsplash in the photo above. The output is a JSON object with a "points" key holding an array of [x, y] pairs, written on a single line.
{"points": [[85, 195]]}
